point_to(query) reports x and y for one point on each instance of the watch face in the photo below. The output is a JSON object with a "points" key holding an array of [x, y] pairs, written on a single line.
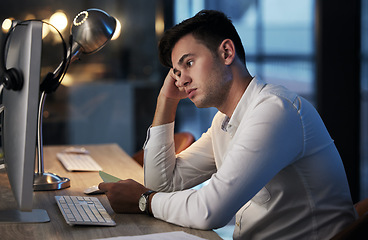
{"points": [[142, 203]]}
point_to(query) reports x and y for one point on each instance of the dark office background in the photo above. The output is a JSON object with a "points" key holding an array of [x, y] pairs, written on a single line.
{"points": [[318, 48]]}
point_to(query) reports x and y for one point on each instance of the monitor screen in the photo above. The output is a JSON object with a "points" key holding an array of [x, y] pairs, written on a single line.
{"points": [[23, 52]]}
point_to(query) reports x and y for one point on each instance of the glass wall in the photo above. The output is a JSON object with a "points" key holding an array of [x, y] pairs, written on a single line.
{"points": [[278, 37]]}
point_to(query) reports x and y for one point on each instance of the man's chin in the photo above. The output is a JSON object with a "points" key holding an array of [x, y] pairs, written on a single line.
{"points": [[200, 104]]}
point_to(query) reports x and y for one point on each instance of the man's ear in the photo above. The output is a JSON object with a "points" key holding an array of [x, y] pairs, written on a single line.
{"points": [[227, 51]]}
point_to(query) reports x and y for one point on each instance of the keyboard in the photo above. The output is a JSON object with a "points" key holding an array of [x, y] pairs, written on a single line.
{"points": [[78, 162], [78, 210]]}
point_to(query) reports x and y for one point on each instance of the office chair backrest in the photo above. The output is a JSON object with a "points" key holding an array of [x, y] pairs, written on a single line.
{"points": [[182, 141], [362, 207]]}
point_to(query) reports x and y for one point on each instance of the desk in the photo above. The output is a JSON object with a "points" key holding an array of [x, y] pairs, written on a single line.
{"points": [[113, 160]]}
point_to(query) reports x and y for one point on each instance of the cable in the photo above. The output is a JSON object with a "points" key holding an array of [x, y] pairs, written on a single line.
{"points": [[51, 82]]}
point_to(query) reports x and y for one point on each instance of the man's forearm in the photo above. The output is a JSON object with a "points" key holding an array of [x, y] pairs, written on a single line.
{"points": [[165, 110], [161, 156]]}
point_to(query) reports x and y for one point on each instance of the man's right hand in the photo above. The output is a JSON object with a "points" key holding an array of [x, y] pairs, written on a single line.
{"points": [[168, 100], [170, 89]]}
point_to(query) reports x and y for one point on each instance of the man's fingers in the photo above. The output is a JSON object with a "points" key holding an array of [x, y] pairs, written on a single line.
{"points": [[105, 186]]}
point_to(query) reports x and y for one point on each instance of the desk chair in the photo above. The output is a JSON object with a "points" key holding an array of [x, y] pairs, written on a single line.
{"points": [[359, 228], [362, 207], [182, 140]]}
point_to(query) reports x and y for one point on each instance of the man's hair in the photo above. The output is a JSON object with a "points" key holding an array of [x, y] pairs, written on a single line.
{"points": [[210, 27]]}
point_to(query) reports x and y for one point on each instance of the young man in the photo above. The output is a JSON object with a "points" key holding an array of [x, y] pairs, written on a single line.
{"points": [[268, 155]]}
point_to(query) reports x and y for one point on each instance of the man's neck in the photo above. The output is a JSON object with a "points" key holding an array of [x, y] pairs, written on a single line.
{"points": [[241, 80]]}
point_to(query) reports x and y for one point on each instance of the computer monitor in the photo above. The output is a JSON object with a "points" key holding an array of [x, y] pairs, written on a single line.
{"points": [[19, 129]]}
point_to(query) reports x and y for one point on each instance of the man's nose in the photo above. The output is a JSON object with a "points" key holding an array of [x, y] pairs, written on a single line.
{"points": [[183, 80]]}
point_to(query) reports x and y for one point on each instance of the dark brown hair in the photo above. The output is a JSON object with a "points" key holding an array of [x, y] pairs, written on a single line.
{"points": [[209, 27]]}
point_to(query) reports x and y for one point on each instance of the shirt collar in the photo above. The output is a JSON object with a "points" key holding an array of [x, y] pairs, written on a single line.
{"points": [[230, 125]]}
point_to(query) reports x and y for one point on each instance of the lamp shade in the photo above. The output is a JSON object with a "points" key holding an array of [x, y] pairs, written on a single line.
{"points": [[91, 30]]}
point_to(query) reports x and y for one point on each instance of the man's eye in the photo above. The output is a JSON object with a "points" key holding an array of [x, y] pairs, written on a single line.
{"points": [[189, 63]]}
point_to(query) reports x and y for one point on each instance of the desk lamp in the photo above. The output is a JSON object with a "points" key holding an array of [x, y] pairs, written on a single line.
{"points": [[90, 31]]}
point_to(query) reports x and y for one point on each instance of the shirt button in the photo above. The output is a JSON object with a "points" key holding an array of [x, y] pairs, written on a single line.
{"points": [[237, 224]]}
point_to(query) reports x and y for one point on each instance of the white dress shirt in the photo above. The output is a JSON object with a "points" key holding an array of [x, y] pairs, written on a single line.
{"points": [[273, 164]]}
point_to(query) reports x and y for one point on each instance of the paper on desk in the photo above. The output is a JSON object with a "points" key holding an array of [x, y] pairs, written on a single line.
{"points": [[160, 236], [108, 178]]}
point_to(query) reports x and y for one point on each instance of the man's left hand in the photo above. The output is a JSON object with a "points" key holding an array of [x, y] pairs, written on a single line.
{"points": [[124, 195]]}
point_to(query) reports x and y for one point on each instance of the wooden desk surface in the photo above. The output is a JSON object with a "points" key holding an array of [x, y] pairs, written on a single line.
{"points": [[113, 160]]}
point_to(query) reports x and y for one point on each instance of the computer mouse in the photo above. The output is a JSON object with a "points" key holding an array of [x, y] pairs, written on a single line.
{"points": [[93, 190]]}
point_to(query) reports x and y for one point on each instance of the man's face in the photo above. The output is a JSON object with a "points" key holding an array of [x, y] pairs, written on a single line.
{"points": [[203, 76]]}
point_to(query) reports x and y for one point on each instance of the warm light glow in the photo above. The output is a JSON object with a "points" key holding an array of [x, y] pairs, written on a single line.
{"points": [[117, 30], [7, 23], [159, 25], [45, 29], [59, 20], [67, 80], [30, 17]]}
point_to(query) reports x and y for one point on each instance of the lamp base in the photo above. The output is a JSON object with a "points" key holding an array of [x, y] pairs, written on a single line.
{"points": [[49, 181]]}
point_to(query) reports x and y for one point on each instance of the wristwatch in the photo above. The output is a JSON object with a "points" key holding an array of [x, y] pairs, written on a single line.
{"points": [[144, 203]]}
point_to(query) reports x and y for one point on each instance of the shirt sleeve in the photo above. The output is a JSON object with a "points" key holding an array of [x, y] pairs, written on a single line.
{"points": [[269, 139], [166, 171]]}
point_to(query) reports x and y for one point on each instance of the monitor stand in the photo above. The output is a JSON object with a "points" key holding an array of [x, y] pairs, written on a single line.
{"points": [[43, 180], [16, 216]]}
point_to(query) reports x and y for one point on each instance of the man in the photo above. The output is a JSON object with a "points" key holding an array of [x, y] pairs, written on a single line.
{"points": [[268, 155]]}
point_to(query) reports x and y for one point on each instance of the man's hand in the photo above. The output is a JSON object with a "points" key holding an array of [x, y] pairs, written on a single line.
{"points": [[124, 195], [168, 100], [170, 88]]}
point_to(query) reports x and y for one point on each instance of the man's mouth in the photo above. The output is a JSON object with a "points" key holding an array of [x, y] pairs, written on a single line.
{"points": [[190, 92]]}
